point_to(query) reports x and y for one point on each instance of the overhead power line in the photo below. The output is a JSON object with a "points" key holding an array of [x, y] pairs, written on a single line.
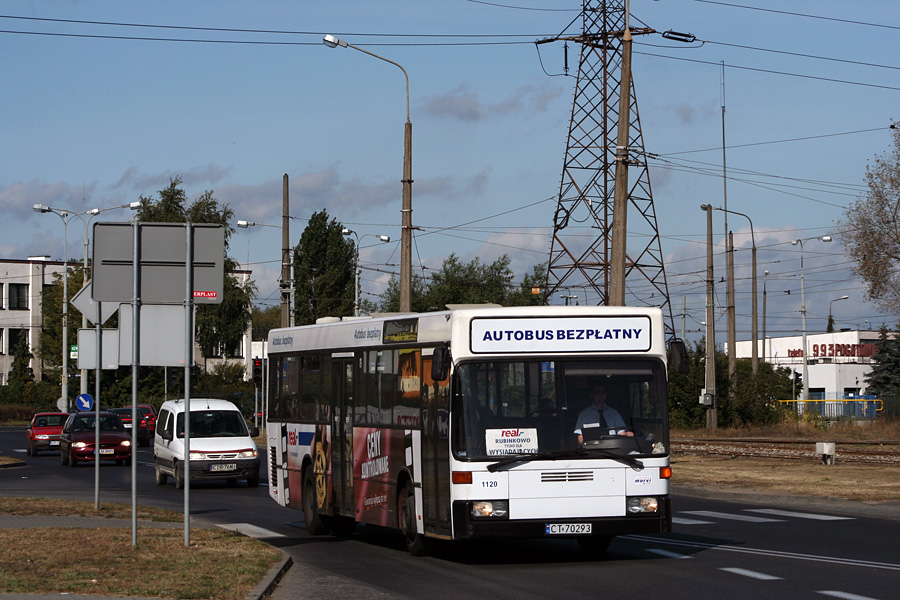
{"points": [[796, 14]]}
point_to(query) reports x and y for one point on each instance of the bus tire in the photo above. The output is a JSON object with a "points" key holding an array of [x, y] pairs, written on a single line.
{"points": [[315, 523], [406, 521], [594, 545]]}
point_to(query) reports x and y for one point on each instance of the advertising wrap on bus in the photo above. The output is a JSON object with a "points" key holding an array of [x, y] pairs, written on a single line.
{"points": [[572, 334]]}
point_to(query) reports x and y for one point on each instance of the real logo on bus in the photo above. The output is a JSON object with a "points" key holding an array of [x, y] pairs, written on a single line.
{"points": [[511, 433], [292, 438]]}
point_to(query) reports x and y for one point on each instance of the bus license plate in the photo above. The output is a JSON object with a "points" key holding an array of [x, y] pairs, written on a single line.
{"points": [[568, 529], [223, 467]]}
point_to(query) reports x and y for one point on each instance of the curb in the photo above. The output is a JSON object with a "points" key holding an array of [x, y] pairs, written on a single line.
{"points": [[270, 581], [18, 463]]}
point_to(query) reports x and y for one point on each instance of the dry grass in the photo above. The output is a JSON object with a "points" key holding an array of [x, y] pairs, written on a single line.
{"points": [[850, 481], [102, 562], [835, 431], [218, 564], [73, 508]]}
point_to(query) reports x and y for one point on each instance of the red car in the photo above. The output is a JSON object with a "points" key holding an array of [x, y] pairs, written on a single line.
{"points": [[150, 413], [43, 432], [141, 432], [77, 440]]}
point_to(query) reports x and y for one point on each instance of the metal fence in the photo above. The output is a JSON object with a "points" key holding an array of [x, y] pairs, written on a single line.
{"points": [[857, 407]]}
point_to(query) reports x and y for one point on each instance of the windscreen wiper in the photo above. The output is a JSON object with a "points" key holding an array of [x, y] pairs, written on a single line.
{"points": [[622, 458], [512, 459]]}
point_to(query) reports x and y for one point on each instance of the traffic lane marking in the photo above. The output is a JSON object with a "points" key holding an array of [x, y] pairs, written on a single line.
{"points": [[749, 573], [731, 517], [799, 515]]}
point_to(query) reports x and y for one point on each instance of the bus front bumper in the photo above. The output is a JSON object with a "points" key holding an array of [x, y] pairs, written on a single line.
{"points": [[468, 527]]}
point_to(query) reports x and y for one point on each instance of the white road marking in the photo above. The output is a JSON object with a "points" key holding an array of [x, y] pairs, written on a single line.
{"points": [[683, 521], [843, 595], [250, 530], [799, 515], [748, 573], [667, 553], [731, 517], [847, 562]]}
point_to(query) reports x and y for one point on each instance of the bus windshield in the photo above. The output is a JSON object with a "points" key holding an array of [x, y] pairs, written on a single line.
{"points": [[547, 407]]}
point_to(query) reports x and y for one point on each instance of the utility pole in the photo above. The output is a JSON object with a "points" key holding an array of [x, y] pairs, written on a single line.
{"points": [[285, 255], [620, 189], [710, 382]]}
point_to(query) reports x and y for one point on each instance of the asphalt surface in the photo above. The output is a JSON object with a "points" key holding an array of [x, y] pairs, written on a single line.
{"points": [[289, 581]]}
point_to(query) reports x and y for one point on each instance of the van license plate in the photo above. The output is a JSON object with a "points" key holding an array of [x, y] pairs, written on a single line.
{"points": [[568, 529], [223, 467]]}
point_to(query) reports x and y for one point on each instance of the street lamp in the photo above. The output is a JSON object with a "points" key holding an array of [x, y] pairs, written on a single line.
{"points": [[830, 327], [406, 210], [66, 215], [568, 297], [356, 275], [285, 284], [754, 360], [825, 238]]}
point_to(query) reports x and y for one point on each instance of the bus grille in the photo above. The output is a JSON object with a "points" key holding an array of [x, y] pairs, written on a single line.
{"points": [[560, 476], [273, 467]]}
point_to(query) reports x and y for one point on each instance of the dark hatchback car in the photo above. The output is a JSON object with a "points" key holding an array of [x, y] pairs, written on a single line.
{"points": [[141, 432], [43, 432], [77, 441], [151, 413]]}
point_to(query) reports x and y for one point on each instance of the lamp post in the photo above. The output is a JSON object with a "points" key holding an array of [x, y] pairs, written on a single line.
{"points": [[406, 209], [66, 215], [356, 270], [765, 276], [754, 360], [285, 284], [830, 327], [804, 394]]}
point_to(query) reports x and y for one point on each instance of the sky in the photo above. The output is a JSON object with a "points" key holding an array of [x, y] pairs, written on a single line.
{"points": [[106, 101]]}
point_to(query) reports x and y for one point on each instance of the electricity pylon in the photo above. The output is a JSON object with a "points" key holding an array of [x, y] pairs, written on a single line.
{"points": [[581, 249]]}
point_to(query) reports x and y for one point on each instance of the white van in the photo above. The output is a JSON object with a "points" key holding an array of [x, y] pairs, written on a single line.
{"points": [[222, 447]]}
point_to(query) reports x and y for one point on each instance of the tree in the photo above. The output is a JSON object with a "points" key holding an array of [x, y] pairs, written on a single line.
{"points": [[50, 340], [324, 271], [474, 282], [264, 320], [872, 232], [219, 328], [20, 371], [883, 380]]}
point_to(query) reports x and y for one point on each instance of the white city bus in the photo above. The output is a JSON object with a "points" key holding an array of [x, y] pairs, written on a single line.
{"points": [[462, 424]]}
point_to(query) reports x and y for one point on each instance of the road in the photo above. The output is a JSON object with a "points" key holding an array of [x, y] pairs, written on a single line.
{"points": [[719, 549]]}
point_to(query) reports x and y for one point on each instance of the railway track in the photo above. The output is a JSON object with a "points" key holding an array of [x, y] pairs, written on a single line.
{"points": [[883, 452]]}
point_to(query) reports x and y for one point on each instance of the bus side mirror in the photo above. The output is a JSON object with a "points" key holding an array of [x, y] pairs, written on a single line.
{"points": [[440, 364], [678, 356]]}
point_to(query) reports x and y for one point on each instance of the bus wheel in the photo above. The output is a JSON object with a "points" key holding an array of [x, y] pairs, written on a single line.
{"points": [[406, 518], [594, 545], [315, 523]]}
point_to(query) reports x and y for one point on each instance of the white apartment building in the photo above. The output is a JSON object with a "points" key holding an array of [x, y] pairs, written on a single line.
{"points": [[21, 291]]}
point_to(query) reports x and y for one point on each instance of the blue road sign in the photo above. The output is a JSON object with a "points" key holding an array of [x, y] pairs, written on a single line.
{"points": [[84, 402]]}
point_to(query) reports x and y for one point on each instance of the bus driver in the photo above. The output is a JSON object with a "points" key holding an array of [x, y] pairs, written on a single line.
{"points": [[598, 413]]}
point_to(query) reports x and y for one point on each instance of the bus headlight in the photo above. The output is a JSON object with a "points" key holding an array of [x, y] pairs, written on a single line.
{"points": [[642, 504], [490, 508]]}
